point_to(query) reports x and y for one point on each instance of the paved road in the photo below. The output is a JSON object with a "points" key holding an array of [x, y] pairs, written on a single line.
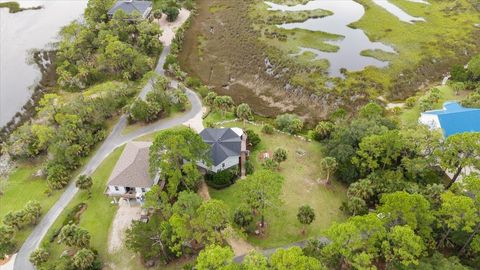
{"points": [[114, 140]]}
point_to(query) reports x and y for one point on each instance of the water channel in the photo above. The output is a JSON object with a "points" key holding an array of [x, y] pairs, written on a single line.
{"points": [[20, 33], [355, 41]]}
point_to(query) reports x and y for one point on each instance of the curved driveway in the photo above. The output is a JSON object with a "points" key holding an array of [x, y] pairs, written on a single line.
{"points": [[114, 140]]}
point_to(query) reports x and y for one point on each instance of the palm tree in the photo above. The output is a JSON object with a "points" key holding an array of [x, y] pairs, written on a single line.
{"points": [[83, 259], [329, 164], [244, 112], [85, 182], [306, 216]]}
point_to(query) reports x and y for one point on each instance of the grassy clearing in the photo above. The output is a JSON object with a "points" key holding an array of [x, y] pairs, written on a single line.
{"points": [[300, 187], [126, 260], [99, 214], [409, 117], [19, 188]]}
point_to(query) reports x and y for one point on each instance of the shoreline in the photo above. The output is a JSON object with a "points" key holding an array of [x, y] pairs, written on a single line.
{"points": [[45, 62]]}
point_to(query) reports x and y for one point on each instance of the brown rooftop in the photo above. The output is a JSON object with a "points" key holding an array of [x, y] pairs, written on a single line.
{"points": [[131, 169]]}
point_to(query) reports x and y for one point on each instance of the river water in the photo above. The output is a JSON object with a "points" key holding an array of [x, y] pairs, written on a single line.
{"points": [[19, 34], [354, 41]]}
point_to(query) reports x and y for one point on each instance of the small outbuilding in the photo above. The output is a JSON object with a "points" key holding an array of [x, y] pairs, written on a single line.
{"points": [[143, 8], [452, 119]]}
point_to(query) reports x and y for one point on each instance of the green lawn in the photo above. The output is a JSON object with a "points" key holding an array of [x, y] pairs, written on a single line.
{"points": [[20, 187], [99, 214], [300, 187], [409, 117]]}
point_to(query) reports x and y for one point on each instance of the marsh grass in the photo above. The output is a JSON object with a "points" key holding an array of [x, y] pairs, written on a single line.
{"points": [[14, 7]]}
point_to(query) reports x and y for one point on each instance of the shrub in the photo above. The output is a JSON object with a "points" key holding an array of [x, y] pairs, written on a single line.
{"points": [[410, 102], [280, 155], [252, 138], [7, 234], [270, 164], [372, 110], [222, 179], [290, 123], [193, 82], [172, 13], [322, 130], [249, 169], [39, 256], [268, 129], [459, 73], [474, 68], [202, 91], [210, 98], [243, 217]]}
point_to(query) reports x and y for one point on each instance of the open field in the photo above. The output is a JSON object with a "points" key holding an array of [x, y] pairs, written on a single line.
{"points": [[409, 117], [301, 173], [22, 186], [98, 215]]}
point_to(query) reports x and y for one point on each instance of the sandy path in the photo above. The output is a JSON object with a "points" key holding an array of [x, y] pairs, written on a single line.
{"points": [[169, 28], [122, 221], [196, 123], [240, 246]]}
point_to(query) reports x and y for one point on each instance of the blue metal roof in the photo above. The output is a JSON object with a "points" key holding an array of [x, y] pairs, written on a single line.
{"points": [[454, 118]]}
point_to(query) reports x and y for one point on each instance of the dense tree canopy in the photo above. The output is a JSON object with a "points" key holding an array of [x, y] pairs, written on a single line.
{"points": [[175, 153], [261, 191]]}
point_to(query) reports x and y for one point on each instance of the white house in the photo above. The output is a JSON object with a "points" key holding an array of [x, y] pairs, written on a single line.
{"points": [[452, 119], [228, 148], [130, 177]]}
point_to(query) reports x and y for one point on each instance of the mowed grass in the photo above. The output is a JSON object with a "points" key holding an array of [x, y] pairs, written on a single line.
{"points": [[20, 187], [98, 216], [409, 117], [300, 188]]}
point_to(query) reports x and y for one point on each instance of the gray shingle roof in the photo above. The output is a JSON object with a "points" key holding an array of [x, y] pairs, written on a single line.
{"points": [[224, 143], [131, 6], [131, 169]]}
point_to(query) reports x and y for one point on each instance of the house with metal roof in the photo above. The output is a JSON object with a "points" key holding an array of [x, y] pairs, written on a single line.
{"points": [[130, 178], [143, 8], [452, 119], [228, 148]]}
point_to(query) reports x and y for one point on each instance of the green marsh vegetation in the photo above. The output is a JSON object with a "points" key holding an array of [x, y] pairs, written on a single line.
{"points": [[14, 7], [424, 52]]}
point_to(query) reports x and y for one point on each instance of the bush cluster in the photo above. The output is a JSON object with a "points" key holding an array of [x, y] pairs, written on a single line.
{"points": [[222, 179]]}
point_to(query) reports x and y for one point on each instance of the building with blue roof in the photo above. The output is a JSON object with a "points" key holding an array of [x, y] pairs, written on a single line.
{"points": [[452, 119]]}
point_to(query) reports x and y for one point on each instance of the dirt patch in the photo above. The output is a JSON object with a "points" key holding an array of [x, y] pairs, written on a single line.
{"points": [[122, 221], [203, 191], [239, 246], [169, 28], [265, 155]]}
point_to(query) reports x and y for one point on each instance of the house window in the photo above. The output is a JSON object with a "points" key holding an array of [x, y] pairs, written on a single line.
{"points": [[223, 165], [116, 188], [143, 190]]}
